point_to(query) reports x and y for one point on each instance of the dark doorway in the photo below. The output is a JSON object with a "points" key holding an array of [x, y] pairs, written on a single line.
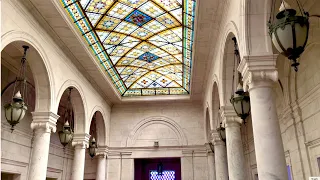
{"points": [[147, 169]]}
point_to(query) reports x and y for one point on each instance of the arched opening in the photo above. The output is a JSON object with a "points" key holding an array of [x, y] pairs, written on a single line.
{"points": [[97, 132], [37, 98], [78, 110], [215, 107], [230, 74]]}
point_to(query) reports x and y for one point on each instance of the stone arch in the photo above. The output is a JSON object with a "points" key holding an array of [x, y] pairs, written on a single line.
{"points": [[227, 68], [78, 104], [101, 123], [39, 65], [156, 120], [215, 120], [255, 15]]}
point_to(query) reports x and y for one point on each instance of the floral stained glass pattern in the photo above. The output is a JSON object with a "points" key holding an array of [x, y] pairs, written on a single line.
{"points": [[144, 46]]}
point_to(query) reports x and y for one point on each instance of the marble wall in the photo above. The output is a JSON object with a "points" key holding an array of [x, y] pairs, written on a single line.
{"points": [[178, 127]]}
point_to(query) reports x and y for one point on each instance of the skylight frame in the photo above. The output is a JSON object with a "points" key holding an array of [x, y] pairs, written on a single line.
{"points": [[91, 35]]}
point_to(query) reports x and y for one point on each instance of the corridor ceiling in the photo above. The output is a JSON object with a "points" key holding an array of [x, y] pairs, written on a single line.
{"points": [[144, 46]]}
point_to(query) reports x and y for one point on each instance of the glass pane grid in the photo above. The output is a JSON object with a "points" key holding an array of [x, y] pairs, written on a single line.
{"points": [[137, 40], [166, 175]]}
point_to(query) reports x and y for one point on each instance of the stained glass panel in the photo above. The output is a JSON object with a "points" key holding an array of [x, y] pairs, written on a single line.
{"points": [[166, 175], [144, 46]]}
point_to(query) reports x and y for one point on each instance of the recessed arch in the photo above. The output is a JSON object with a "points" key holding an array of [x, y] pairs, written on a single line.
{"points": [[156, 120], [228, 69], [78, 104], [215, 120], [39, 65], [255, 14], [101, 125]]}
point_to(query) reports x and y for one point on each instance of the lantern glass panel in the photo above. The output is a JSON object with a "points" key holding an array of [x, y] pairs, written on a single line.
{"points": [[301, 34], [285, 38], [15, 112], [246, 106], [237, 107]]}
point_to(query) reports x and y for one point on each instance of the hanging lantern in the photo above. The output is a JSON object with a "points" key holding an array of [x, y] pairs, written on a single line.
{"points": [[222, 132], [66, 134], [92, 147], [289, 32], [241, 103], [16, 110]]}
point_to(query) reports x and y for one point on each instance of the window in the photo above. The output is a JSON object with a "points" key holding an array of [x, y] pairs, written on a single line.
{"points": [[166, 175]]}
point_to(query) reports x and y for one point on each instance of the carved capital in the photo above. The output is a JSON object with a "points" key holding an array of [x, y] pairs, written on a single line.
{"points": [[102, 152], [216, 140], [81, 140], [258, 70], [229, 117], [45, 121]]}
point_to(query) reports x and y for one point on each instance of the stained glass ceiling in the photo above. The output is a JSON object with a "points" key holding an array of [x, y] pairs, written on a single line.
{"points": [[144, 46]]}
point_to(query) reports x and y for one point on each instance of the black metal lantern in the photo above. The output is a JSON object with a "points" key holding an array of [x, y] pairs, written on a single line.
{"points": [[16, 109], [66, 134], [222, 132], [240, 100], [289, 32], [92, 147], [241, 103]]}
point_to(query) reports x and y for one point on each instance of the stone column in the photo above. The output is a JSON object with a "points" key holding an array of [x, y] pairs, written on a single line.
{"points": [[211, 166], [80, 143], [101, 164], [220, 157], [259, 74], [236, 160], [43, 124]]}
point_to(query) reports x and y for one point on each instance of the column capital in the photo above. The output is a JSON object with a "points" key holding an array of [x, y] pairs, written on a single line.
{"points": [[229, 117], [102, 152], [258, 70], [81, 140], [44, 120], [216, 139]]}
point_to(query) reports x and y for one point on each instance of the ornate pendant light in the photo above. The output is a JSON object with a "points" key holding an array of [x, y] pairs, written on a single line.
{"points": [[92, 147], [240, 100], [222, 132], [16, 110], [289, 31], [92, 143], [66, 134]]}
